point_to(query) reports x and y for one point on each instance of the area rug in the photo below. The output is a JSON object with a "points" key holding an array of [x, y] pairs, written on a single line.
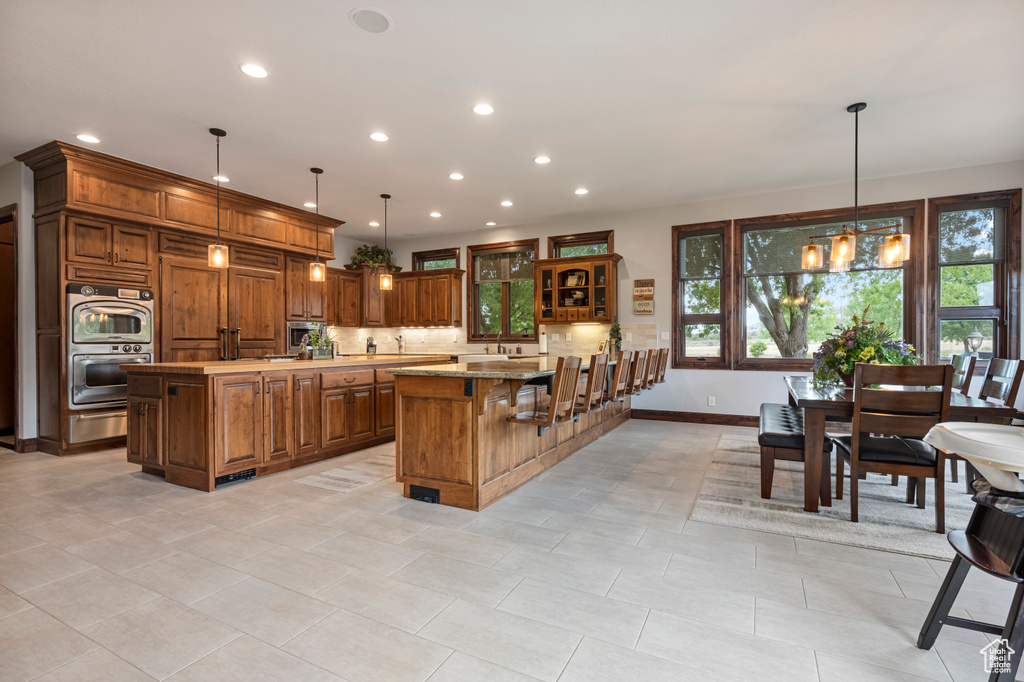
{"points": [[730, 495], [352, 476]]}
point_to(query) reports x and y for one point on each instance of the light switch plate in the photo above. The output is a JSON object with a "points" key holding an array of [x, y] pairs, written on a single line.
{"points": [[664, 336], [568, 336], [554, 337], [629, 336]]}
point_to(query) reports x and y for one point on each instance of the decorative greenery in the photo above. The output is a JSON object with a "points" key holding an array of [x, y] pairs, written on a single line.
{"points": [[320, 338], [371, 254], [757, 348], [863, 341], [615, 333]]}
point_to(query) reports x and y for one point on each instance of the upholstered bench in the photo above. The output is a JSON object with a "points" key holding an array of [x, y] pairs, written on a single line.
{"points": [[780, 434]]}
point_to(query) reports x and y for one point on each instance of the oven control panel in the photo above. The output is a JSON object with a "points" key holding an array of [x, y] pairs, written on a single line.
{"points": [[127, 348]]}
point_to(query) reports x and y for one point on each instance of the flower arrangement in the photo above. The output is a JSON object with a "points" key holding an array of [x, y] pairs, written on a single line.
{"points": [[863, 341]]}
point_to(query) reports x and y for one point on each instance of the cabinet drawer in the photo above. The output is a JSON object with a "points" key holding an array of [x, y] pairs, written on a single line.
{"points": [[182, 246], [144, 385], [102, 275], [384, 378], [359, 377]]}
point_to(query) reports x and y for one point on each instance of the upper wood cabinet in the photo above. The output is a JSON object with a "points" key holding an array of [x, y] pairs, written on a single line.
{"points": [[343, 298], [578, 289], [305, 300], [428, 298], [100, 243]]}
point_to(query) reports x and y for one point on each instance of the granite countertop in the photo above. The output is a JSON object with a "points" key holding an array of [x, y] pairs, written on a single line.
{"points": [[524, 368], [254, 365]]}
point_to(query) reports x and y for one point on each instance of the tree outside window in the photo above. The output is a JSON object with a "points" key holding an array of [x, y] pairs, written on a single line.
{"points": [[502, 290]]}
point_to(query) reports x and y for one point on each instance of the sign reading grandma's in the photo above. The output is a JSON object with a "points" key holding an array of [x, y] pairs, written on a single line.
{"points": [[643, 296]]}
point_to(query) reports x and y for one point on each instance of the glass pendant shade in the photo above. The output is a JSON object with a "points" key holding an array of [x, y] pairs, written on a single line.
{"points": [[844, 247], [386, 279], [317, 272], [218, 256], [812, 257], [893, 250]]}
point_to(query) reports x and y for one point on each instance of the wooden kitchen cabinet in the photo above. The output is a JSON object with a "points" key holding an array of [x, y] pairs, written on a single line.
{"points": [[255, 312], [577, 289], [101, 252], [305, 299], [385, 409], [145, 444], [342, 298], [278, 419], [306, 409], [238, 417], [360, 413], [428, 298]]}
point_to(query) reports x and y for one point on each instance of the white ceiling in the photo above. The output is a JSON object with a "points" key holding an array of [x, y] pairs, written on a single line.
{"points": [[645, 103]]}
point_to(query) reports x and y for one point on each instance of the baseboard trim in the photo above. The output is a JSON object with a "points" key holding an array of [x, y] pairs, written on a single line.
{"points": [[695, 417], [24, 445]]}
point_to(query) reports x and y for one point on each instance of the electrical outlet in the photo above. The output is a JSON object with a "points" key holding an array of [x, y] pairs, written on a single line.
{"points": [[554, 337], [711, 401], [455, 338], [388, 338], [664, 336], [629, 336], [423, 338], [568, 336]]}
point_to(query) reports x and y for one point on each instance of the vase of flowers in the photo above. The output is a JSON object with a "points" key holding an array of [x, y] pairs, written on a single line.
{"points": [[862, 341]]}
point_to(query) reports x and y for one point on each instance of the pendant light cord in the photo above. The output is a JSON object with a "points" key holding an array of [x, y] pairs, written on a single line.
{"points": [[316, 198], [218, 190], [856, 170]]}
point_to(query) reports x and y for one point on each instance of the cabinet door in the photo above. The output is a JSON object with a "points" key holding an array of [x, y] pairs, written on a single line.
{"points": [[255, 312], [349, 300], [373, 300], [193, 310], [332, 290], [316, 294], [306, 409], [424, 314], [442, 298], [132, 248], [385, 409], [407, 298], [89, 242], [145, 431], [238, 422], [334, 417], [297, 274], [360, 413], [278, 419]]}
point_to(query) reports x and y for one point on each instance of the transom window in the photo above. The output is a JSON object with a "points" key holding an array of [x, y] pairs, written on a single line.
{"points": [[581, 244], [436, 259], [501, 292]]}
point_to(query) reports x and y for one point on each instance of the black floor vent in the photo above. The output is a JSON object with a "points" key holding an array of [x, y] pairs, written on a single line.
{"points": [[237, 476], [424, 494]]}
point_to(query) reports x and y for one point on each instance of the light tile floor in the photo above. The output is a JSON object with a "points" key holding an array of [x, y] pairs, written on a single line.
{"points": [[592, 572]]}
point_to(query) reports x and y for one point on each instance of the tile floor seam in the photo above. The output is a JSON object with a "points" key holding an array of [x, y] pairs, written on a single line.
{"points": [[569, 660], [951, 677]]}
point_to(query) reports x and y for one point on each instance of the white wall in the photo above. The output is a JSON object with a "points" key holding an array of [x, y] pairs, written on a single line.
{"points": [[643, 238], [16, 188]]}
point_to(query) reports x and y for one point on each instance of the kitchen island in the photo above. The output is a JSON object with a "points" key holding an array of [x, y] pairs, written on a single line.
{"points": [[201, 423], [453, 443]]}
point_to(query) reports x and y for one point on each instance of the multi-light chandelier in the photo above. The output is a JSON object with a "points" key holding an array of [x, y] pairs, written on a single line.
{"points": [[894, 249]]}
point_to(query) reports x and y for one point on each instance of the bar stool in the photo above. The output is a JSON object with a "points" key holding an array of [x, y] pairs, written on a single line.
{"points": [[637, 372], [616, 390], [592, 399], [662, 365], [653, 358], [562, 401]]}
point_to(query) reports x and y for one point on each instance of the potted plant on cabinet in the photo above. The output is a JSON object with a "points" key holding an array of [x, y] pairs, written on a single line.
{"points": [[615, 334], [371, 255]]}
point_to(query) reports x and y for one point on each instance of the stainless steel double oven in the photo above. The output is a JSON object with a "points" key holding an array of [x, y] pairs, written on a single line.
{"points": [[107, 327]]}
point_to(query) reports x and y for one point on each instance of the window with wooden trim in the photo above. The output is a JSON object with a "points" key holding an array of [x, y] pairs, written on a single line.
{"points": [[784, 313], [974, 242], [581, 244], [501, 290], [436, 259], [702, 273]]}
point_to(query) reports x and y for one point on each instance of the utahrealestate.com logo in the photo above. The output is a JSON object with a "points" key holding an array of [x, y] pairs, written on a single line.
{"points": [[998, 656]]}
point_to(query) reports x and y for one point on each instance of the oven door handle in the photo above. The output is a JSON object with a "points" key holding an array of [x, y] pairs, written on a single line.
{"points": [[238, 343], [224, 343]]}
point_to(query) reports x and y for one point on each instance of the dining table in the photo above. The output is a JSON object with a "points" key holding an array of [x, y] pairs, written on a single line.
{"points": [[836, 404]]}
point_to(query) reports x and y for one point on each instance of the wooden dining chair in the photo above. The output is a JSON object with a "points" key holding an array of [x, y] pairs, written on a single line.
{"points": [[651, 373], [561, 402], [662, 365], [618, 388], [963, 371], [888, 424], [637, 372], [1002, 381], [592, 399]]}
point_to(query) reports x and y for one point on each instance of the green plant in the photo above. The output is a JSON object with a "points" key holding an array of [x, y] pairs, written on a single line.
{"points": [[758, 348], [615, 333], [863, 341], [320, 338], [371, 254]]}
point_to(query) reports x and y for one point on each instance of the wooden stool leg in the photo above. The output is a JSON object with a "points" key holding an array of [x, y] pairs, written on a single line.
{"points": [[826, 479], [911, 489], [943, 602], [921, 491], [767, 471], [840, 473], [1013, 635]]}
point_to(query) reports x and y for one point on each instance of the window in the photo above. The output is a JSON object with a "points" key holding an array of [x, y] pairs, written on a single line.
{"points": [[701, 263], [978, 274], [787, 312], [435, 260], [582, 244], [501, 290]]}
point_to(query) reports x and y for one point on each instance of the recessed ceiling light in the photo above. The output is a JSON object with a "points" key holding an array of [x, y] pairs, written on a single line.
{"points": [[455, 176], [370, 20], [506, 203], [491, 224], [309, 204], [542, 159], [582, 190], [379, 137], [435, 214], [254, 70], [221, 178], [483, 109], [91, 139], [374, 223]]}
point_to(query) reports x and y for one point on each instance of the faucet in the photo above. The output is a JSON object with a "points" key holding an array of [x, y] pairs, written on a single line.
{"points": [[500, 350]]}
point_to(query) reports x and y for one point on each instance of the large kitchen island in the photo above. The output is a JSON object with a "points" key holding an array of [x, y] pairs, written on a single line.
{"points": [[201, 423], [453, 443]]}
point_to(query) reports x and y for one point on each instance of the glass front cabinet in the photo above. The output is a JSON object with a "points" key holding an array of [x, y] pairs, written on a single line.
{"points": [[579, 289]]}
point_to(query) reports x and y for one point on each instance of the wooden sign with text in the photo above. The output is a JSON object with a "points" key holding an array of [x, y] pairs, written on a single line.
{"points": [[643, 296]]}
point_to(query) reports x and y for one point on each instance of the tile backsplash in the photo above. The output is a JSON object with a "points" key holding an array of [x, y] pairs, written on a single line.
{"points": [[583, 340]]}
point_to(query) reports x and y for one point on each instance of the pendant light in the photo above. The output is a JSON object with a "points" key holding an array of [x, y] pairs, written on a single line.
{"points": [[892, 252], [317, 270], [384, 269], [218, 253]]}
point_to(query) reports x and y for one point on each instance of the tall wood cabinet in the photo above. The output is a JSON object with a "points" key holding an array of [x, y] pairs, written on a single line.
{"points": [[343, 298], [577, 289], [428, 298], [306, 300]]}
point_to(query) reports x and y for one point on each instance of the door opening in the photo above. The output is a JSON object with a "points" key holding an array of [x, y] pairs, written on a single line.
{"points": [[8, 327]]}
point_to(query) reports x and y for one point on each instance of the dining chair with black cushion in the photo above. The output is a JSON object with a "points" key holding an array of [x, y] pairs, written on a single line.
{"points": [[619, 386], [780, 435], [963, 371], [893, 408], [561, 402], [592, 398], [1001, 383]]}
